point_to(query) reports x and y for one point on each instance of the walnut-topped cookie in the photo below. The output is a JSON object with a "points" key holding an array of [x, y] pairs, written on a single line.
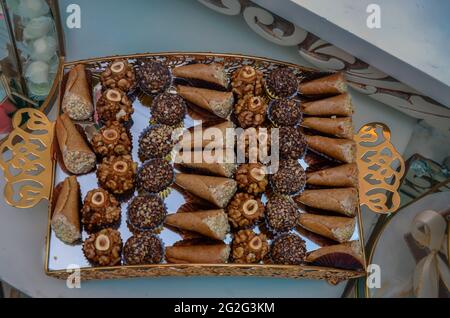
{"points": [[245, 210], [250, 111], [247, 80], [248, 247]]}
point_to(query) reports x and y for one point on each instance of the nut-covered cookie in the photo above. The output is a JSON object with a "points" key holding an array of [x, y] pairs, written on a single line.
{"points": [[246, 80], [281, 83], [114, 105], [289, 179], [250, 111], [143, 248], [146, 212], [118, 75], [252, 178], [113, 139], [117, 173], [248, 247], [291, 142], [168, 109], [103, 248], [153, 77], [285, 112], [281, 214], [245, 210], [288, 249], [100, 210], [155, 175], [155, 142]]}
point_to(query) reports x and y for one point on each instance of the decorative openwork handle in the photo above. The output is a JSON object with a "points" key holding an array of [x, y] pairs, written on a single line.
{"points": [[26, 159], [381, 168]]}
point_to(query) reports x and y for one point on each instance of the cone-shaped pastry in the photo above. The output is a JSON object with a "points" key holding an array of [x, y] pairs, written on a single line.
{"points": [[66, 214], [340, 127], [216, 190], [211, 223], [217, 102], [212, 73], [340, 105], [341, 176], [343, 201], [331, 84], [212, 136], [77, 156], [334, 227], [77, 101], [346, 256], [206, 162], [341, 149], [216, 252]]}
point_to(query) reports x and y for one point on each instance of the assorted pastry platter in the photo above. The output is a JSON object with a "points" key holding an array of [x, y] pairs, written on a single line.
{"points": [[128, 199]]}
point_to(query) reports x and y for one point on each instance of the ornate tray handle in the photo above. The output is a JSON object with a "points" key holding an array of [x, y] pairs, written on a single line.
{"points": [[26, 159], [381, 168]]}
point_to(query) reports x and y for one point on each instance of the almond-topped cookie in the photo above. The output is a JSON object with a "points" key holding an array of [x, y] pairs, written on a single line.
{"points": [[143, 248], [288, 249], [155, 175], [146, 212]]}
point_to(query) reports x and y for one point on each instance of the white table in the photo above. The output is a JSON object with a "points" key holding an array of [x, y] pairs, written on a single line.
{"points": [[411, 44], [150, 27]]}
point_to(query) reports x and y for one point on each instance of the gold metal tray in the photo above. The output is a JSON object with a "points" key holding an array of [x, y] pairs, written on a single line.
{"points": [[31, 172]]}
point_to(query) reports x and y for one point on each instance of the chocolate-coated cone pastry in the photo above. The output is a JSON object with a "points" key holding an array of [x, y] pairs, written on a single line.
{"points": [[193, 139], [66, 215], [77, 156], [211, 223], [343, 200], [340, 105], [331, 84], [216, 190], [223, 166], [334, 227], [339, 127], [345, 175], [185, 252], [77, 101], [212, 73], [217, 102], [341, 149]]}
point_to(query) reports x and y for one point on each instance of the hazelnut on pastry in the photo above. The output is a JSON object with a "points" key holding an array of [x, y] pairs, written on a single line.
{"points": [[248, 247], [114, 105], [245, 210], [113, 139], [119, 74], [104, 248], [100, 209], [252, 178], [117, 174]]}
